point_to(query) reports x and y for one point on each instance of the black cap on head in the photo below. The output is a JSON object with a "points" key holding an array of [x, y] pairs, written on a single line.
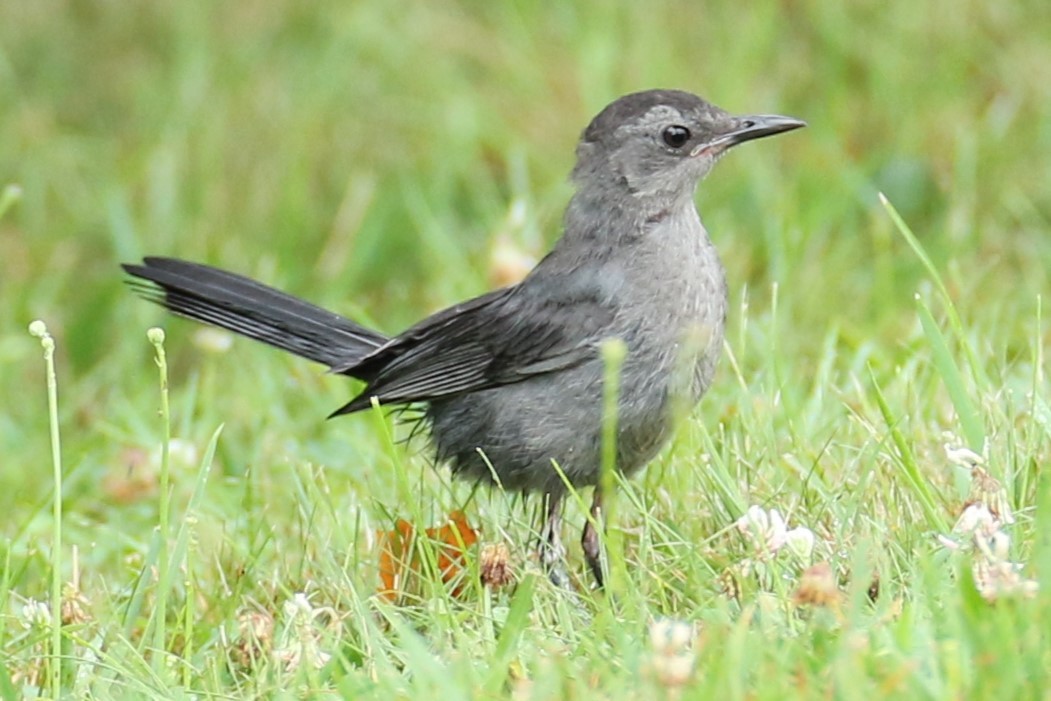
{"points": [[633, 106]]}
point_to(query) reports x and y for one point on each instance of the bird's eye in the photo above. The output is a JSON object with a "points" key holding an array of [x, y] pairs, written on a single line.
{"points": [[676, 135]]}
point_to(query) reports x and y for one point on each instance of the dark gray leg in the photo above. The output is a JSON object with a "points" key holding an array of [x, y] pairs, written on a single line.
{"points": [[591, 542], [551, 551]]}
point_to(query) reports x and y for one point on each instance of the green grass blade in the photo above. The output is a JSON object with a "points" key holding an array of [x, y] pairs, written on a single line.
{"points": [[955, 323], [38, 329], [511, 633], [966, 410], [8, 692], [910, 467]]}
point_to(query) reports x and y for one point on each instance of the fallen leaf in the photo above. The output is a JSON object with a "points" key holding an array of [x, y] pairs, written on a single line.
{"points": [[399, 557]]}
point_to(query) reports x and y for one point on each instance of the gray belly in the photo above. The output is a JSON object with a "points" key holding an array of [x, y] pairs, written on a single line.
{"points": [[524, 428]]}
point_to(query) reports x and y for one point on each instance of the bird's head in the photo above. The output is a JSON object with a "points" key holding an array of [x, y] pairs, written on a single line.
{"points": [[661, 143]]}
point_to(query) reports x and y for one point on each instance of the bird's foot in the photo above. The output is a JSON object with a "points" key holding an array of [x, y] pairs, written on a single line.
{"points": [[551, 552]]}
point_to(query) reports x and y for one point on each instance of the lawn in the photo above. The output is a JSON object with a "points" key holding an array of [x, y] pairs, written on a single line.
{"points": [[883, 387]]}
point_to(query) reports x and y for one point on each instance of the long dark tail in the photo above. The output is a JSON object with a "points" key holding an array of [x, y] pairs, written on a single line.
{"points": [[252, 309]]}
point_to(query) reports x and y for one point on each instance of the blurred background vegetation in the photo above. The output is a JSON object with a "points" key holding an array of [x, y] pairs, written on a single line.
{"points": [[366, 155]]}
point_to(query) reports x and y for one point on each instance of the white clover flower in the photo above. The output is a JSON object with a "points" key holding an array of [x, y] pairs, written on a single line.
{"points": [[948, 543], [768, 533], [670, 636], [777, 533], [183, 452], [995, 575], [213, 340], [996, 580], [976, 518], [800, 541], [300, 638], [963, 457], [994, 547], [182, 455], [673, 655], [36, 614], [764, 529], [981, 522], [754, 519]]}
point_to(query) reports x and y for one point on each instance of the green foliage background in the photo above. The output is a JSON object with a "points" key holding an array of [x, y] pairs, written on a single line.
{"points": [[365, 155]]}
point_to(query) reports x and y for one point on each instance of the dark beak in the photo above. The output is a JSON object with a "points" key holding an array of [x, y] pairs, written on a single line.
{"points": [[750, 127]]}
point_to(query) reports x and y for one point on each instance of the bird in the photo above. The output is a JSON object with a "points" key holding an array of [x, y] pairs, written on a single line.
{"points": [[511, 383]]}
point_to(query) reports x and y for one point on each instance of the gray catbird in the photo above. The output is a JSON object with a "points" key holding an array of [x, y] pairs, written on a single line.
{"points": [[512, 382]]}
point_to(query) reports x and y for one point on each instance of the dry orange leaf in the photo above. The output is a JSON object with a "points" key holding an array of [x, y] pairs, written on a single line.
{"points": [[399, 558]]}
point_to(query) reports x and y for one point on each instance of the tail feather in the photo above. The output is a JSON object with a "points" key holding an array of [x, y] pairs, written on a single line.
{"points": [[252, 309]]}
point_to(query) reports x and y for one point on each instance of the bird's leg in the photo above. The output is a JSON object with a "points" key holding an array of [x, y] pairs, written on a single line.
{"points": [[591, 542], [552, 552]]}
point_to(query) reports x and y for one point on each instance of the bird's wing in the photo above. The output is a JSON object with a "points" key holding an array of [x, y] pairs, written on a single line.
{"points": [[500, 338]]}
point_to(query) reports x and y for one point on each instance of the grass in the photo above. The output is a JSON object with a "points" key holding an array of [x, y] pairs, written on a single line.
{"points": [[357, 154]]}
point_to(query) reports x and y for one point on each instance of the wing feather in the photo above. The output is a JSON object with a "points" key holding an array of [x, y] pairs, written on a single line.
{"points": [[497, 339]]}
